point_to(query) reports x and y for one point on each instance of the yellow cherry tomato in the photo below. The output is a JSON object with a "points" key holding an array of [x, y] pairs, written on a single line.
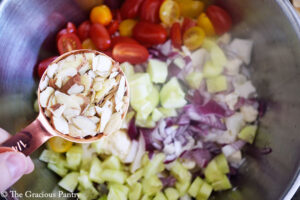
{"points": [[59, 145], [88, 44], [169, 12], [126, 27], [193, 38], [190, 8], [101, 15], [205, 23]]}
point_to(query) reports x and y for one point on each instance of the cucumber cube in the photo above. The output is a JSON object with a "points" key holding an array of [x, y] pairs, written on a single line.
{"points": [[156, 115], [69, 182], [127, 68], [104, 197], [86, 187], [216, 84], [168, 112], [160, 196], [124, 189], [151, 185], [145, 197], [209, 43], [112, 162], [248, 133], [140, 86], [180, 173], [145, 123], [195, 187], [145, 159], [115, 193], [58, 169], [212, 172], [154, 167], [115, 176], [218, 57], [135, 191], [182, 187], [204, 192], [96, 170], [135, 177], [157, 70], [171, 95], [210, 70], [74, 157], [171, 193], [49, 156], [194, 79], [222, 163], [222, 183]]}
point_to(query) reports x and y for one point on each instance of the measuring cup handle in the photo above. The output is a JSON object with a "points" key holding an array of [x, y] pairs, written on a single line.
{"points": [[28, 140]]}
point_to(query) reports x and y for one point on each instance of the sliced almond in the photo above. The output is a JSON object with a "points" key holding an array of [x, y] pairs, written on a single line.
{"points": [[45, 95], [107, 86], [113, 75], [76, 89], [87, 82], [106, 113], [69, 113], [51, 70], [114, 124], [57, 109], [84, 123], [120, 94], [72, 81], [102, 65], [74, 131], [95, 119], [91, 111], [44, 83], [60, 124], [84, 68], [70, 101], [65, 74]]}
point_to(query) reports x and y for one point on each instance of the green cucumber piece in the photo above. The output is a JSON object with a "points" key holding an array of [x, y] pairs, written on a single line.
{"points": [[168, 112], [222, 163], [135, 177], [171, 193], [171, 95], [140, 87], [115, 193], [96, 170], [216, 84], [160, 196], [112, 162], [180, 172], [212, 172], [124, 189], [49, 156], [135, 191], [58, 169], [69, 182], [155, 166], [115, 176], [156, 115], [146, 123], [209, 43], [204, 192], [182, 187], [210, 70], [145, 197], [194, 79], [127, 68], [151, 185], [103, 197], [248, 133], [157, 70], [195, 187], [74, 157], [218, 57], [222, 183], [145, 159]]}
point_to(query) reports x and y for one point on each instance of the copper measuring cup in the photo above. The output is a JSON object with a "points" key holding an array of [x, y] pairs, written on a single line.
{"points": [[40, 130]]}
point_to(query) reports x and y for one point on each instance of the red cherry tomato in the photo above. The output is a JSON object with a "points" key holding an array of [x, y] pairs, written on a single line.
{"points": [[149, 33], [149, 11], [68, 42], [117, 15], [71, 28], [100, 37], [220, 19], [84, 30], [187, 24], [113, 27], [43, 65], [122, 39], [133, 53], [130, 8], [108, 52], [61, 33], [175, 35]]}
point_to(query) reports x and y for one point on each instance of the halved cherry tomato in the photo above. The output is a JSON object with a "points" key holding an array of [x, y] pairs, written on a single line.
{"points": [[113, 27], [205, 23], [88, 44], [126, 27], [190, 8], [175, 35], [71, 28], [59, 145], [169, 12], [149, 33], [101, 14], [84, 30], [122, 39], [133, 53], [220, 18], [100, 37], [130, 8], [187, 24], [193, 38], [43, 65], [68, 42], [149, 11], [61, 33]]}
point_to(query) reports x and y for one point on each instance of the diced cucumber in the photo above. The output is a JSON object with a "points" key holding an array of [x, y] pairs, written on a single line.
{"points": [[209, 43], [140, 86], [58, 169], [171, 95], [112, 162], [49, 156], [160, 196], [154, 166], [116, 176], [182, 186], [194, 79], [145, 197], [180, 173], [168, 112], [135, 191], [84, 180], [195, 187], [135, 177], [74, 157], [156, 115], [69, 182], [248, 133], [127, 68], [115, 193], [157, 70], [145, 159], [82, 196], [151, 185], [124, 189], [95, 171], [216, 84], [210, 70], [222, 163], [145, 123], [171, 193], [204, 192], [218, 57], [222, 183], [103, 197], [212, 172]]}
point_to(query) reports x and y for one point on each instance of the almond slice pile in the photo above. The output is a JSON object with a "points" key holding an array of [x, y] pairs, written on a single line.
{"points": [[84, 94]]}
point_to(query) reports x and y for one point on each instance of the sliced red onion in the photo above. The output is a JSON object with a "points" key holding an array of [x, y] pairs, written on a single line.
{"points": [[165, 48], [133, 132], [200, 156], [168, 181], [149, 140]]}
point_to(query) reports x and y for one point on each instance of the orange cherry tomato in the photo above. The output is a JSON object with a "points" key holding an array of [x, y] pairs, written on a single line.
{"points": [[149, 11], [187, 24], [175, 35], [190, 8], [193, 38], [113, 27], [133, 53], [68, 42], [220, 19], [149, 33], [101, 14], [122, 39], [59, 145], [169, 12], [100, 37], [84, 30], [88, 44], [205, 23], [126, 27]]}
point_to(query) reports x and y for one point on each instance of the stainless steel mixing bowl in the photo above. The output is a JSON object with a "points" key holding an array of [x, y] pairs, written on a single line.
{"points": [[27, 34]]}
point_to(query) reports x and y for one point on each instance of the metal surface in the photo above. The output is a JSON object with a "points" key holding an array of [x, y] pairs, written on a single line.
{"points": [[25, 26]]}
